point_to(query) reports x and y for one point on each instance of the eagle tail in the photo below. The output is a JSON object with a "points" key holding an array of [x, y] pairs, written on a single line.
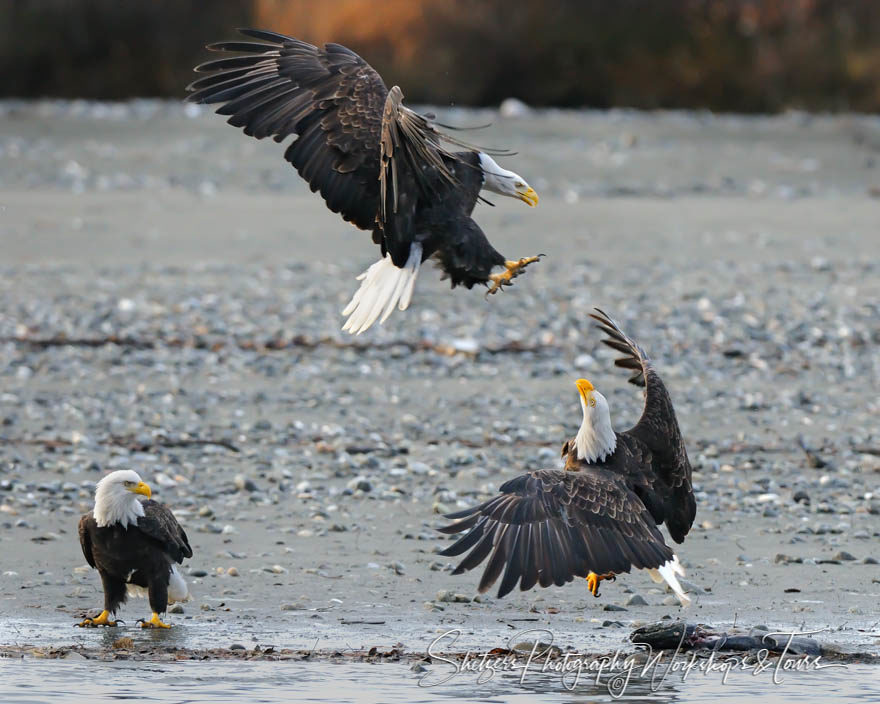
{"points": [[383, 286], [667, 573], [178, 590]]}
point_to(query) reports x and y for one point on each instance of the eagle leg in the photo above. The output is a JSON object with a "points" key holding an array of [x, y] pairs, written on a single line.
{"points": [[594, 579], [153, 622], [103, 619], [513, 269]]}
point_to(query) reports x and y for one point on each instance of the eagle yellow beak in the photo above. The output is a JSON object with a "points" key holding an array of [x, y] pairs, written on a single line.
{"points": [[142, 489], [528, 196], [584, 386]]}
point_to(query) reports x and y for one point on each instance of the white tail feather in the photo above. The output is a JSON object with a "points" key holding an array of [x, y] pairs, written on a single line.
{"points": [[667, 573], [178, 590], [383, 286]]}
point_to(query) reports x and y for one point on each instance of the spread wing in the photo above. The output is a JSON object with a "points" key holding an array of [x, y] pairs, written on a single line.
{"points": [[160, 524], [374, 161], [657, 428], [330, 98], [85, 537], [550, 526]]}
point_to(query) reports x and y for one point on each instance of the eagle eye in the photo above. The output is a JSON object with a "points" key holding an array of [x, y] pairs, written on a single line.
{"points": [[127, 483], [592, 402]]}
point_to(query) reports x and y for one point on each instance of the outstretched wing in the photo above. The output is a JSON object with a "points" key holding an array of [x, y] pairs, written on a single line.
{"points": [[160, 524], [657, 428], [85, 537], [373, 160], [550, 526], [330, 98]]}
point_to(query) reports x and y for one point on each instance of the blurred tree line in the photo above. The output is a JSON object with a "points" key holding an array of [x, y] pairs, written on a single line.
{"points": [[735, 55]]}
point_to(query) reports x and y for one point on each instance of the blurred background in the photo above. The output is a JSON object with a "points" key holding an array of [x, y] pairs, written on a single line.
{"points": [[724, 55]]}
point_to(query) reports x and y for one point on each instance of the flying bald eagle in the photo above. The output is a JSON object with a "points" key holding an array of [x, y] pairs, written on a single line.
{"points": [[597, 517], [377, 163], [134, 545]]}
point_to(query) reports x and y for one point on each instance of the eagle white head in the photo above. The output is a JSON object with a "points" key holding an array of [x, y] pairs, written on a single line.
{"points": [[506, 183], [595, 439], [116, 498]]}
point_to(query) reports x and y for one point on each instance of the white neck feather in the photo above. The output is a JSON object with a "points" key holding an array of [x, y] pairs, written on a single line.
{"points": [[495, 178], [116, 505], [595, 439]]}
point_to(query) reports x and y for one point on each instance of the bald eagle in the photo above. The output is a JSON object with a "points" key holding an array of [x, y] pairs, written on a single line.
{"points": [[377, 163], [598, 517], [134, 545]]}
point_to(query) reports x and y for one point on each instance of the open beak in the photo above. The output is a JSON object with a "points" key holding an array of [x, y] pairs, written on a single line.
{"points": [[528, 196], [584, 386], [142, 489]]}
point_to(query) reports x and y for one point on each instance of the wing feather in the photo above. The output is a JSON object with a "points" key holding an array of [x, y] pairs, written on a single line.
{"points": [[160, 524], [85, 537], [550, 526], [657, 429]]}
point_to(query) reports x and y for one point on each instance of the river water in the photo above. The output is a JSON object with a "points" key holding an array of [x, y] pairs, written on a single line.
{"points": [[30, 681]]}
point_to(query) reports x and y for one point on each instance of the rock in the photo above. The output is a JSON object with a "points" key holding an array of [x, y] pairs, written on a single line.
{"points": [[446, 596], [243, 483], [237, 646], [844, 556], [782, 558], [513, 108], [175, 609], [636, 600], [613, 607]]}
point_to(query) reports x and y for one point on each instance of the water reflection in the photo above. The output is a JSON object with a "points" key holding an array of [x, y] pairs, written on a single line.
{"points": [[32, 681]]}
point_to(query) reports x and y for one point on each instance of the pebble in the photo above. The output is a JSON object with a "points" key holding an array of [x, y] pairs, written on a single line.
{"points": [[243, 483]]}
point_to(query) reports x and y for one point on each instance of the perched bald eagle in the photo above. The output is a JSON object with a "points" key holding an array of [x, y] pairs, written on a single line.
{"points": [[134, 545], [377, 163], [597, 517]]}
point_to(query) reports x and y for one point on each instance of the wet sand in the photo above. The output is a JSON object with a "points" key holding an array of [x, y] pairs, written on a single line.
{"points": [[201, 284]]}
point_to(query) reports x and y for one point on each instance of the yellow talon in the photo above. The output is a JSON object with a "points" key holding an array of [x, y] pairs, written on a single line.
{"points": [[514, 269], [594, 579], [102, 619], [153, 622]]}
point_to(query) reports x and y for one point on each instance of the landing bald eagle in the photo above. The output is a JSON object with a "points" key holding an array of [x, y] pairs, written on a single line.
{"points": [[598, 516], [377, 163], [134, 545]]}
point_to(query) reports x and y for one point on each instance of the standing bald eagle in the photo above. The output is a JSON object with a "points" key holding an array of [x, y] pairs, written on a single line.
{"points": [[377, 163], [134, 545], [598, 516]]}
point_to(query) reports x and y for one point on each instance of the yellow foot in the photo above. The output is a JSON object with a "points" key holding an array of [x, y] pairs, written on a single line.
{"points": [[103, 619], [593, 580], [153, 622], [514, 269]]}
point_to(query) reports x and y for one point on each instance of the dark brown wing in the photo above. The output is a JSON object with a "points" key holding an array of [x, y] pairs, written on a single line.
{"points": [[330, 98], [550, 526], [85, 537], [657, 428], [374, 161], [160, 524]]}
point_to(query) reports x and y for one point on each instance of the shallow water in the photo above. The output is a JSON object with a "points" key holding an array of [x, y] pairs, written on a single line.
{"points": [[33, 682]]}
